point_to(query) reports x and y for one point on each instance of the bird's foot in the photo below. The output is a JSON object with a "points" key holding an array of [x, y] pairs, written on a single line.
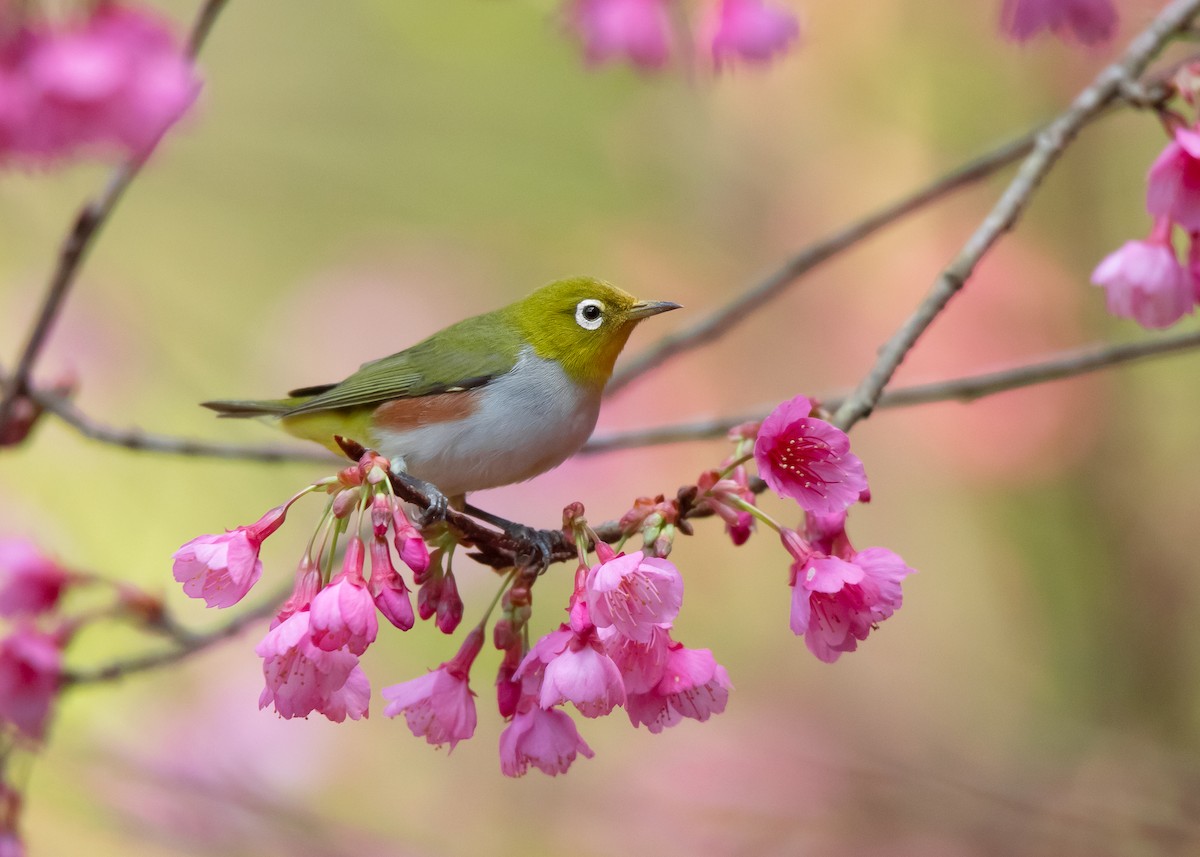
{"points": [[436, 502], [539, 542]]}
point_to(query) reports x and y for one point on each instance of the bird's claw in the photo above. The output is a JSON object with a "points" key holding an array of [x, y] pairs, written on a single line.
{"points": [[436, 502], [538, 541]]}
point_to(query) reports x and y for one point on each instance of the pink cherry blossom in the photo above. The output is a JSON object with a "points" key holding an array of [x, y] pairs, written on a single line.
{"points": [[642, 664], [30, 582], [808, 459], [221, 569], [301, 678], [439, 706], [836, 602], [30, 669], [576, 669], [634, 593], [693, 685], [1173, 184], [1143, 280], [637, 30], [387, 587], [749, 30], [343, 613], [1092, 22], [546, 739], [119, 78]]}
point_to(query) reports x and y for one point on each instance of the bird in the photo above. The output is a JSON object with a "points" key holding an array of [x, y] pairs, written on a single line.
{"points": [[488, 401]]}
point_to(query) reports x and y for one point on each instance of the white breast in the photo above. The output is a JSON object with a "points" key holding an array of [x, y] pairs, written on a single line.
{"points": [[529, 420]]}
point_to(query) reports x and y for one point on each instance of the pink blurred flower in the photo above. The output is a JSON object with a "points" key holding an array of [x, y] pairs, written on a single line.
{"points": [[692, 685], [634, 594], [343, 613], [637, 30], [1143, 280], [388, 589], [546, 739], [30, 582], [30, 668], [221, 569], [300, 678], [1173, 183], [836, 602], [117, 79], [575, 668], [750, 30], [439, 706], [1090, 21], [808, 459]]}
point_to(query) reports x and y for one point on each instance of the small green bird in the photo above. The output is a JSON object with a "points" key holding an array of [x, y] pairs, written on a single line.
{"points": [[491, 400]]}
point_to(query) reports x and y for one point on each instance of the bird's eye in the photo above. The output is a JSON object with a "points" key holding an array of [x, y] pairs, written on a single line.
{"points": [[589, 314]]}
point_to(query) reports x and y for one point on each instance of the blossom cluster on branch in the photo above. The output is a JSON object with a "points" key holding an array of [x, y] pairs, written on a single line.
{"points": [[615, 650], [1144, 279]]}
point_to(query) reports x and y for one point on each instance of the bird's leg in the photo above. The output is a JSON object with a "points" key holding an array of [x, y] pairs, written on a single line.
{"points": [[539, 540]]}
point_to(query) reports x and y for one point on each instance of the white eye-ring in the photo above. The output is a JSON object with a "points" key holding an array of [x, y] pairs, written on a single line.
{"points": [[589, 314]]}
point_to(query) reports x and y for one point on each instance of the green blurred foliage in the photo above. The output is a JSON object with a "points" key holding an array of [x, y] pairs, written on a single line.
{"points": [[359, 174]]}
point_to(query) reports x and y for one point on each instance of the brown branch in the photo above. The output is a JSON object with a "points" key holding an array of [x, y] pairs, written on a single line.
{"points": [[82, 237], [187, 642], [721, 320], [1067, 365], [140, 441], [1050, 145]]}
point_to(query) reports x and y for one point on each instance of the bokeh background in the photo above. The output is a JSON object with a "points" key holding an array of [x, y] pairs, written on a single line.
{"points": [[359, 174]]}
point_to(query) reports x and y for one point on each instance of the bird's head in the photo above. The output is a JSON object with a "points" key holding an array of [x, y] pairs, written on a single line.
{"points": [[582, 323]]}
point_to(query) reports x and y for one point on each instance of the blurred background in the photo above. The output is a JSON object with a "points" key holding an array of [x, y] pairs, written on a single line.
{"points": [[358, 175]]}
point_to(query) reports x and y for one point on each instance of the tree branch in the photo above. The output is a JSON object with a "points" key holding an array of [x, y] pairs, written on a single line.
{"points": [[82, 236], [966, 389], [187, 642], [1049, 147], [721, 320], [140, 441]]}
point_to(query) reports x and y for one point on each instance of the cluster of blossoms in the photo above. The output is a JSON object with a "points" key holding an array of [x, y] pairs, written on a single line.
{"points": [[1090, 22], [839, 594], [32, 586], [647, 32], [310, 654], [116, 79], [1144, 279], [617, 649]]}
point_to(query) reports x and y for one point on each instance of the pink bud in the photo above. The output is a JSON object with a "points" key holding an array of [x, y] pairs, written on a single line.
{"points": [[450, 605], [409, 544], [388, 589], [428, 597]]}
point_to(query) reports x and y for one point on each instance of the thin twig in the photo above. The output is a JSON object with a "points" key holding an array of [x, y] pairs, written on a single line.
{"points": [[188, 643], [969, 388], [141, 441], [1049, 147], [82, 237], [718, 322]]}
